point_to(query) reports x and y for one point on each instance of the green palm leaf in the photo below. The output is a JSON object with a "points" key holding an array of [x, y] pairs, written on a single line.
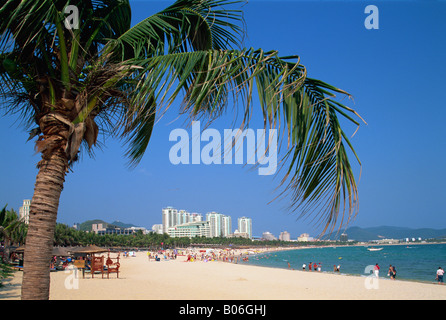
{"points": [[319, 176]]}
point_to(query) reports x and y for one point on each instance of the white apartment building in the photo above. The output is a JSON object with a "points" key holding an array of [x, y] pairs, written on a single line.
{"points": [[172, 217], [285, 236], [220, 225], [24, 211], [179, 223], [304, 237], [195, 217], [169, 218], [215, 223], [157, 228], [245, 226], [226, 226]]}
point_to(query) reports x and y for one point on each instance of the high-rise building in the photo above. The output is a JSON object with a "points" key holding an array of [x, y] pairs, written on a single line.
{"points": [[285, 236], [215, 223], [195, 217], [183, 217], [245, 226], [169, 218], [24, 211], [226, 226], [220, 225]]}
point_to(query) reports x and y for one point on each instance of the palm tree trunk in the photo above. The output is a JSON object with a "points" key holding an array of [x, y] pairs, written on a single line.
{"points": [[42, 222]]}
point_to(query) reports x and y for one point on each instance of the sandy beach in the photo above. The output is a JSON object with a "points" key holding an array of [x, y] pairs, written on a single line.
{"points": [[141, 279]]}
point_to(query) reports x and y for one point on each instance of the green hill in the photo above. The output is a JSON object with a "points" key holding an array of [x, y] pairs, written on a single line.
{"points": [[122, 224], [87, 225]]}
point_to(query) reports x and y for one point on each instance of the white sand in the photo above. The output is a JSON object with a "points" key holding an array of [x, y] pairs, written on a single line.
{"points": [[176, 279]]}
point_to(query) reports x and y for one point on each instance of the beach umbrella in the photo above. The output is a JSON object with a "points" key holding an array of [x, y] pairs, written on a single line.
{"points": [[60, 252], [19, 249], [89, 249]]}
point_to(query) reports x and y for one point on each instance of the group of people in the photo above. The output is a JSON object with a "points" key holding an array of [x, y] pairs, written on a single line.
{"points": [[223, 256], [59, 263], [198, 255], [391, 271], [318, 267], [167, 255]]}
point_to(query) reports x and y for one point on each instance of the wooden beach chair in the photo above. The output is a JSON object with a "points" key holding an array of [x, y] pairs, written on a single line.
{"points": [[97, 264], [112, 267]]}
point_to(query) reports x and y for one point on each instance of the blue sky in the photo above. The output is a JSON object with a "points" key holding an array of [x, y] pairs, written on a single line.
{"points": [[396, 75]]}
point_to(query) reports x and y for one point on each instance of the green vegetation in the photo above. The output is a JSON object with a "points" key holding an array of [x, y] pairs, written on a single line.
{"points": [[5, 271], [66, 236], [12, 231]]}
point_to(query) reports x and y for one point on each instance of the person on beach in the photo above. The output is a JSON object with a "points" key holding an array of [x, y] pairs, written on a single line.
{"points": [[440, 273], [314, 266], [309, 267], [390, 272], [303, 266], [393, 272], [376, 270]]}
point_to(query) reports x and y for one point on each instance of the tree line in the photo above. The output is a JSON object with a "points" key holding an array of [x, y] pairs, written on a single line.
{"points": [[13, 233]]}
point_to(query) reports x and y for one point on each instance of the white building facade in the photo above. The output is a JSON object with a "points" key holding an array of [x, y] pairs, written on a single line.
{"points": [[190, 230], [24, 211], [245, 226]]}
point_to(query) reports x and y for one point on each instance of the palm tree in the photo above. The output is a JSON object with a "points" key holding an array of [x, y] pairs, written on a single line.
{"points": [[12, 230], [71, 83]]}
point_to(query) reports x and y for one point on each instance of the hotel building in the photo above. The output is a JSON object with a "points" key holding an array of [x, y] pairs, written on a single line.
{"points": [[190, 230]]}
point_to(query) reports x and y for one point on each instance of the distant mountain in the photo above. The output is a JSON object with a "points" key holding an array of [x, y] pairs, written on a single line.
{"points": [[387, 232], [86, 226], [122, 224]]}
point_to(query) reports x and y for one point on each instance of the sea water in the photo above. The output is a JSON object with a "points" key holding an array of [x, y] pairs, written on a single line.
{"points": [[417, 262]]}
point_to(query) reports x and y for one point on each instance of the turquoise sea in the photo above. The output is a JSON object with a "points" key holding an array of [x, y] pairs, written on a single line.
{"points": [[417, 262]]}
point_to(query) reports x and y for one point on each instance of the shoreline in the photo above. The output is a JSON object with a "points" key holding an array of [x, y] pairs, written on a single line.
{"points": [[176, 279], [350, 274]]}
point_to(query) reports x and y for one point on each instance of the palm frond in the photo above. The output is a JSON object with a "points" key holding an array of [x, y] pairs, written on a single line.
{"points": [[186, 25], [319, 175]]}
